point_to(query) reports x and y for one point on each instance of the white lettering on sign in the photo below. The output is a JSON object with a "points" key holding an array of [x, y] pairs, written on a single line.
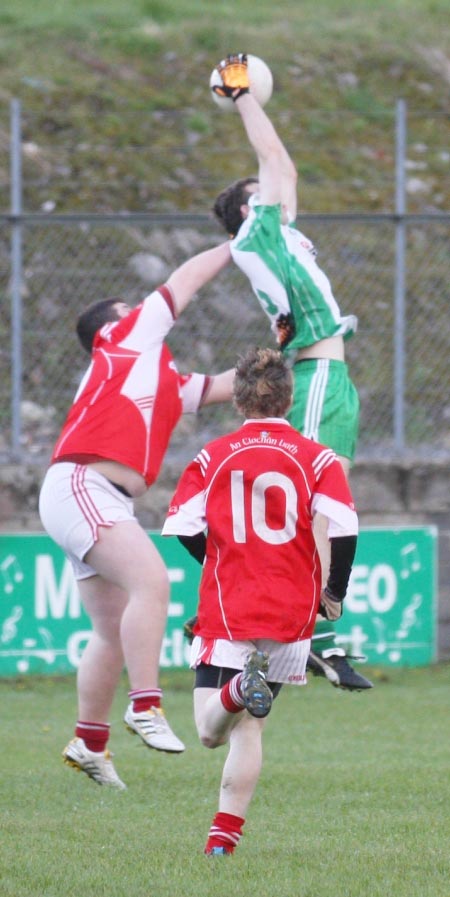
{"points": [[371, 588], [61, 599], [176, 574], [53, 599], [353, 641], [175, 651]]}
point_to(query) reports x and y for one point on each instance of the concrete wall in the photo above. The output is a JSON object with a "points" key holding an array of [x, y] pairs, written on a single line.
{"points": [[403, 494]]}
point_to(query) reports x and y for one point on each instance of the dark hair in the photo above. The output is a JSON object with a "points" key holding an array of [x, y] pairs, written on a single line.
{"points": [[227, 207], [262, 384], [95, 316]]}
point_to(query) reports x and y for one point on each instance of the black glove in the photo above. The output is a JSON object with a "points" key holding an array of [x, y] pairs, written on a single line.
{"points": [[188, 629], [234, 74], [285, 329]]}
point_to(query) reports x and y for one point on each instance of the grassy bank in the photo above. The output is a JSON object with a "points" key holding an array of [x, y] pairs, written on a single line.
{"points": [[117, 113]]}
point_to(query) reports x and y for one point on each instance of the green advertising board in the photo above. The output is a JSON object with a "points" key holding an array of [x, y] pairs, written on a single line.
{"points": [[43, 627], [390, 611]]}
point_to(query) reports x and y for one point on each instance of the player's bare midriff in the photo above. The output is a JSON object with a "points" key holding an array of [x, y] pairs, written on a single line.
{"points": [[124, 476], [332, 347]]}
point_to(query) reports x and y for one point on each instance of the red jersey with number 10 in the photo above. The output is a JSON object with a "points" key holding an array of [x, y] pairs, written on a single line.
{"points": [[256, 491]]}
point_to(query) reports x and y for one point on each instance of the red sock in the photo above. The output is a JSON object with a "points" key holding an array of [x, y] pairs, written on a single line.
{"points": [[94, 735], [145, 698], [225, 831], [230, 695]]}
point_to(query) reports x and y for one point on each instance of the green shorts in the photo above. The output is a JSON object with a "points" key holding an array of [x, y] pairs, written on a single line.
{"points": [[326, 404]]}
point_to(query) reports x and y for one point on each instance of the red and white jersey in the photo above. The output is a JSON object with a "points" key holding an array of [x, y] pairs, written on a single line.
{"points": [[256, 491], [131, 396]]}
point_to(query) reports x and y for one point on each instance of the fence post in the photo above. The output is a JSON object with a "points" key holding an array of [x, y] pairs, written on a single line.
{"points": [[16, 277], [400, 269]]}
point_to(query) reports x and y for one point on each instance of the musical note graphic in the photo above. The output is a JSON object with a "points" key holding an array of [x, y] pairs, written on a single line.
{"points": [[380, 628], [30, 649], [11, 573], [410, 560], [47, 653], [9, 628], [409, 617]]}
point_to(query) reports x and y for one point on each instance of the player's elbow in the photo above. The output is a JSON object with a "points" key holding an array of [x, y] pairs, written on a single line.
{"points": [[289, 171]]}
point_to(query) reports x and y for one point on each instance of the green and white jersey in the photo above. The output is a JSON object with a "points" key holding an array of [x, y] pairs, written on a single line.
{"points": [[281, 266]]}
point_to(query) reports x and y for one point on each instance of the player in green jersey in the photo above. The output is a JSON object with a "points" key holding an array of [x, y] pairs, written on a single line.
{"points": [[259, 215]]}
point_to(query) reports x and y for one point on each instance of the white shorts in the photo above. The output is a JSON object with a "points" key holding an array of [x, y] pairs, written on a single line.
{"points": [[74, 502], [287, 659]]}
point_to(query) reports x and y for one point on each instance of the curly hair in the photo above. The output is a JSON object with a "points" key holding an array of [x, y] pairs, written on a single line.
{"points": [[94, 317], [227, 207], [263, 384]]}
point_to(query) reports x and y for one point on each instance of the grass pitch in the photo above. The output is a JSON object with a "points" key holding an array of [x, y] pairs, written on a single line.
{"points": [[353, 799]]}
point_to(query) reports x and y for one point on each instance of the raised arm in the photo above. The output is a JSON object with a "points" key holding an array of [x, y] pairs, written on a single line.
{"points": [[192, 275], [277, 172]]}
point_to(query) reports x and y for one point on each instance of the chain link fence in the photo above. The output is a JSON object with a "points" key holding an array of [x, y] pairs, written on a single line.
{"points": [[391, 270], [400, 365]]}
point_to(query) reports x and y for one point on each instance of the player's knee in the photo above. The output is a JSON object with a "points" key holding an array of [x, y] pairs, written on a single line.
{"points": [[209, 740]]}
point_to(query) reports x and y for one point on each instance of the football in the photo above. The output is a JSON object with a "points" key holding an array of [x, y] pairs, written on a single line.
{"points": [[261, 83]]}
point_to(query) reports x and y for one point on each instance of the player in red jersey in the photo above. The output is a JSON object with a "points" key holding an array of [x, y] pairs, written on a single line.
{"points": [[245, 508], [109, 452]]}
